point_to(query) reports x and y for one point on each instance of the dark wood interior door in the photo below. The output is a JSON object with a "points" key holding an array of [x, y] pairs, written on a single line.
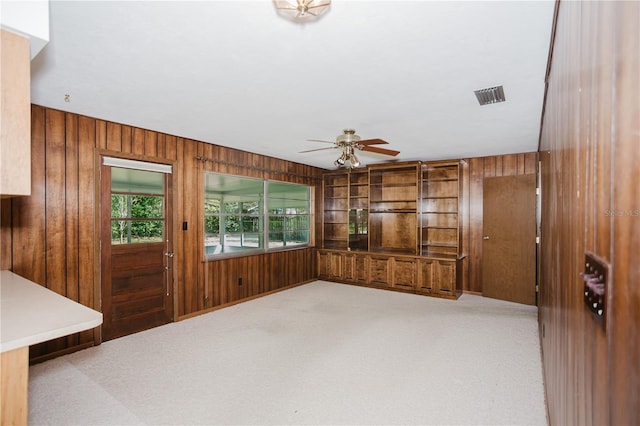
{"points": [[135, 271], [509, 238]]}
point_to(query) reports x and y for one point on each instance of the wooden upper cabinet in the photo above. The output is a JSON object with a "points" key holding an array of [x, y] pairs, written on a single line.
{"points": [[15, 115]]}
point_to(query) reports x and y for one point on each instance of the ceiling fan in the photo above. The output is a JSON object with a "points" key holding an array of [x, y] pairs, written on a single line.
{"points": [[348, 142]]}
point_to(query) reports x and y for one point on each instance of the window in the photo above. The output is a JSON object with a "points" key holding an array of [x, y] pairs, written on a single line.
{"points": [[288, 208], [237, 222], [137, 206]]}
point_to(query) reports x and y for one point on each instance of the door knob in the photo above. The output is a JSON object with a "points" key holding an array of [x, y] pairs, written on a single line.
{"points": [[486, 237], [169, 254]]}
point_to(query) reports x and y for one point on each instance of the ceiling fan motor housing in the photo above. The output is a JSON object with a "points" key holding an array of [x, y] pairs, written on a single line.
{"points": [[348, 137]]}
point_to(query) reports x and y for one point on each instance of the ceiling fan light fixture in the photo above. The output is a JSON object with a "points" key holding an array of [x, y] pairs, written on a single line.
{"points": [[353, 160], [302, 10], [348, 142]]}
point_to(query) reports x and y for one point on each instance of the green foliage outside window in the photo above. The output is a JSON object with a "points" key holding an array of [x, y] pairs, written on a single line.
{"points": [[136, 218]]}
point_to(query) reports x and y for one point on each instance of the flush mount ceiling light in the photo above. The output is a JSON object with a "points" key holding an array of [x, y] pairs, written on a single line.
{"points": [[491, 95], [302, 9]]}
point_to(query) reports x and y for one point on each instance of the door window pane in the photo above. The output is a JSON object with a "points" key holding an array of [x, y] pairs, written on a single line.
{"points": [[137, 214]]}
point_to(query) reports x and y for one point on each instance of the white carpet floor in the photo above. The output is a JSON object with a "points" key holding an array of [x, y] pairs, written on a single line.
{"points": [[322, 353]]}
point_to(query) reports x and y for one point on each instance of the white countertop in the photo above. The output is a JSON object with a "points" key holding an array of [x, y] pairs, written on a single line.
{"points": [[30, 313]]}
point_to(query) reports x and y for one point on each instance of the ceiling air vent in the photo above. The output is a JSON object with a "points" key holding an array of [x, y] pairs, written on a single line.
{"points": [[490, 95]]}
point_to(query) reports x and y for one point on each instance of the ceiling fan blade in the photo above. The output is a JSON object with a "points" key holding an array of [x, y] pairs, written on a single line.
{"points": [[319, 149], [368, 142], [319, 140], [381, 150]]}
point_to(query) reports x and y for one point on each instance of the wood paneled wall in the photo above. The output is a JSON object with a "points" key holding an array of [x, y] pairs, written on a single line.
{"points": [[590, 170], [476, 170], [50, 237]]}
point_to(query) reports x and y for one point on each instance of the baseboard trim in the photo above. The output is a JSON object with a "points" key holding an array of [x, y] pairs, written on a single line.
{"points": [[246, 299], [65, 351]]}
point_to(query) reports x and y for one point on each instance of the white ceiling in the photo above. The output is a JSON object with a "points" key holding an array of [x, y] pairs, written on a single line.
{"points": [[237, 74]]}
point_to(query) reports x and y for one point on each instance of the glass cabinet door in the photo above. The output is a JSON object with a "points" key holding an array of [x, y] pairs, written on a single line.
{"points": [[358, 229]]}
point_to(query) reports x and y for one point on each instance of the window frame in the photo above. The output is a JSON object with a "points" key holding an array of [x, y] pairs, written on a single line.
{"points": [[264, 220]]}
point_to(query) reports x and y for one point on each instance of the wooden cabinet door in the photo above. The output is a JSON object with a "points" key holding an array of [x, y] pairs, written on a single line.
{"points": [[323, 265], [362, 269], [379, 270], [335, 265], [446, 281], [426, 277], [349, 267], [405, 273], [437, 277]]}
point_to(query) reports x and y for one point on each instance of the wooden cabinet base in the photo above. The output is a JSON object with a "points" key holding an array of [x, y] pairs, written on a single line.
{"points": [[429, 276], [14, 376]]}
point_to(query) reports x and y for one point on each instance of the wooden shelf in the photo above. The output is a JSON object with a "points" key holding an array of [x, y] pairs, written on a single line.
{"points": [[393, 211], [440, 180], [435, 244], [394, 185]]}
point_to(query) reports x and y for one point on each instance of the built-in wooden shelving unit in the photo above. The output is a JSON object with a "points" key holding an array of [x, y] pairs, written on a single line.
{"points": [[394, 226]]}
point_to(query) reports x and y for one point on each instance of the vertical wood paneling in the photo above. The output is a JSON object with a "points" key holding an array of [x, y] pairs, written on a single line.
{"points": [[191, 241], [55, 195], [178, 217], [6, 249], [71, 206], [114, 137], [475, 225], [150, 143], [510, 165], [55, 236], [170, 147], [72, 257], [28, 214], [590, 155], [86, 214], [625, 347], [101, 134], [127, 135], [530, 164], [161, 147], [137, 142], [51, 235]]}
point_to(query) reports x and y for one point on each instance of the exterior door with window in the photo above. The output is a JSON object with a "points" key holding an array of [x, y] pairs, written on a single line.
{"points": [[136, 250]]}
